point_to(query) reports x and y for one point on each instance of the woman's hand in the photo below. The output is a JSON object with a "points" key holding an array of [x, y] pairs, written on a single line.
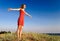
{"points": [[9, 9], [30, 16]]}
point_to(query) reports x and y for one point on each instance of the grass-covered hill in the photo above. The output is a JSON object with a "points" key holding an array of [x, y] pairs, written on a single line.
{"points": [[29, 37]]}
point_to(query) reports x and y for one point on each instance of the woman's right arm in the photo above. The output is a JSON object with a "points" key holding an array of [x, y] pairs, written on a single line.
{"points": [[13, 9]]}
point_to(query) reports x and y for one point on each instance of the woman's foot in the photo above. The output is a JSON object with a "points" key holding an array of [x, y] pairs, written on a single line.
{"points": [[19, 39]]}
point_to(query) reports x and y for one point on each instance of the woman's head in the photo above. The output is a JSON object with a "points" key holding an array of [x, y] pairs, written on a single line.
{"points": [[23, 6]]}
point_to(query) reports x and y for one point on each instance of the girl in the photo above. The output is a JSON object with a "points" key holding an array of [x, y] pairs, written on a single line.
{"points": [[21, 19]]}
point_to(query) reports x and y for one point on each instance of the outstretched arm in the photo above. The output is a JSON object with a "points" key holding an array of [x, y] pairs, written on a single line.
{"points": [[14, 9], [28, 14]]}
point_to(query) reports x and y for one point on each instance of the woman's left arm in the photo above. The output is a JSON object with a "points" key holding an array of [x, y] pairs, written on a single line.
{"points": [[28, 14]]}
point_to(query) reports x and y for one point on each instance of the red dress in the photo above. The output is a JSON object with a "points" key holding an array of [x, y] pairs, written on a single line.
{"points": [[21, 18]]}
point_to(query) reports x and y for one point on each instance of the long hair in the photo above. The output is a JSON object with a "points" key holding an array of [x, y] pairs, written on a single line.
{"points": [[22, 6]]}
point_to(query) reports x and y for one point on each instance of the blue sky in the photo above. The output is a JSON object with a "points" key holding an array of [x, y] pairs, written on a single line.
{"points": [[45, 15]]}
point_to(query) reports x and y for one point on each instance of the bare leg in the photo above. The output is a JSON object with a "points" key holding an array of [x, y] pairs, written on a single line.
{"points": [[20, 31]]}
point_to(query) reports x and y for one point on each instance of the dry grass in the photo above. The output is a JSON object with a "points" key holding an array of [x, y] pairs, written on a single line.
{"points": [[29, 37]]}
